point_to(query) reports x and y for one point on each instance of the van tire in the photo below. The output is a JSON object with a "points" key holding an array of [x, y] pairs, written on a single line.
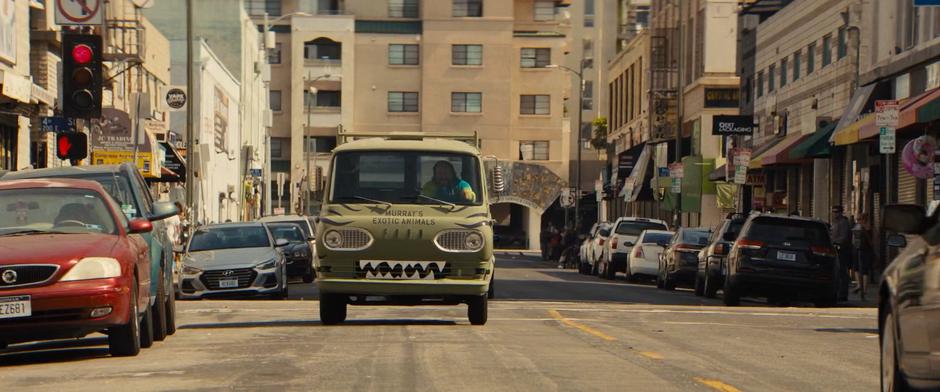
{"points": [[477, 310], [332, 309], [124, 340]]}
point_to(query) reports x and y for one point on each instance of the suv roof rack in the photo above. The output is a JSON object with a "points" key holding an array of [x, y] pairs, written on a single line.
{"points": [[348, 136]]}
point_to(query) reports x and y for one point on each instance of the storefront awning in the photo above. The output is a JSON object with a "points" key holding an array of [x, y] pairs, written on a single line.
{"points": [[851, 133], [846, 131], [908, 114], [780, 154], [814, 146], [633, 184], [929, 111], [173, 168], [757, 154], [922, 109]]}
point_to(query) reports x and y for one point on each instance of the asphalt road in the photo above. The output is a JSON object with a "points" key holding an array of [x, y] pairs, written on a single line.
{"points": [[548, 330]]}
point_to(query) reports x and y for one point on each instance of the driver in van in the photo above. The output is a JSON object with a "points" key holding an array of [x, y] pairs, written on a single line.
{"points": [[445, 185]]}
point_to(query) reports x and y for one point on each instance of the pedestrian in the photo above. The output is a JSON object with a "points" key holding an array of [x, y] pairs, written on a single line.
{"points": [[554, 244], [544, 236], [861, 241], [842, 239]]}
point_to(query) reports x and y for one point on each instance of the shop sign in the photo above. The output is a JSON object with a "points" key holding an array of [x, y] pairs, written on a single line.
{"points": [[722, 97], [732, 125], [918, 157]]}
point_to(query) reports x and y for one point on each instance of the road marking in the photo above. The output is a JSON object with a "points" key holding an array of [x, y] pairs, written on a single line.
{"points": [[651, 354], [584, 328], [716, 385]]}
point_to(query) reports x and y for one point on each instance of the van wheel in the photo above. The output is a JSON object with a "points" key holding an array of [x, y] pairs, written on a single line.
{"points": [[491, 293], [159, 311], [731, 295], [332, 309], [124, 340], [477, 310]]}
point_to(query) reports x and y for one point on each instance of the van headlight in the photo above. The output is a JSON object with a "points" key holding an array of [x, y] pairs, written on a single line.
{"points": [[93, 268], [348, 239], [473, 241], [333, 239], [463, 241]]}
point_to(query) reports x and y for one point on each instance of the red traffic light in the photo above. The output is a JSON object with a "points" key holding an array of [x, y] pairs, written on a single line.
{"points": [[82, 54]]}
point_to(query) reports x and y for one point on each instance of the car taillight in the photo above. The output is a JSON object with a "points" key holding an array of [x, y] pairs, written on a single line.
{"points": [[823, 251], [613, 243], [721, 249], [601, 243], [750, 244]]}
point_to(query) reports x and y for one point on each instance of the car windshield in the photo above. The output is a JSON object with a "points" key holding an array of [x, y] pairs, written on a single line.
{"points": [[695, 236], [635, 228], [406, 177], [734, 227], [797, 232], [291, 233], [59, 210], [213, 238], [657, 238], [303, 226]]}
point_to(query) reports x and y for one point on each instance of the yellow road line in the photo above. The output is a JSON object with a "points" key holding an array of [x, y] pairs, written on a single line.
{"points": [[651, 354], [584, 328], [716, 385]]}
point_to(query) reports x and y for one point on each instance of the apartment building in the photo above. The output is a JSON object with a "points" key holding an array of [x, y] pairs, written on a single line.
{"points": [[424, 66]]}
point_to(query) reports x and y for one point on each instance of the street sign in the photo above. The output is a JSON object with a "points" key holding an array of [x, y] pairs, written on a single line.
{"points": [[173, 98], [676, 170], [57, 124], [676, 185], [740, 174], [79, 12], [887, 140], [886, 113]]}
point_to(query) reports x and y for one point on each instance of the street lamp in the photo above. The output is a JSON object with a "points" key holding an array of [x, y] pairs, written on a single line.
{"points": [[310, 174], [577, 198]]}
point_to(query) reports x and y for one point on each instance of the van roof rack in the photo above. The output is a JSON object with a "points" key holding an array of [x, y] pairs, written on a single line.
{"points": [[348, 136]]}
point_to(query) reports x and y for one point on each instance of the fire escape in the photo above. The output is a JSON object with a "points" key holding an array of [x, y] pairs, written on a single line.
{"points": [[664, 74]]}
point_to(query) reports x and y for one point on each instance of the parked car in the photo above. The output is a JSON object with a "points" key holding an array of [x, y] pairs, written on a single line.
{"points": [[621, 242], [712, 261], [94, 279], [304, 222], [127, 187], [679, 262], [782, 257], [583, 252], [298, 253], [596, 247], [234, 260], [909, 302], [644, 257]]}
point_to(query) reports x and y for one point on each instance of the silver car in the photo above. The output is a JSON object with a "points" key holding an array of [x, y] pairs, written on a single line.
{"points": [[233, 260]]}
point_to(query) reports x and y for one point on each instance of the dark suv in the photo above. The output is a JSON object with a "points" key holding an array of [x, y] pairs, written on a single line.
{"points": [[712, 261], [781, 257], [127, 187]]}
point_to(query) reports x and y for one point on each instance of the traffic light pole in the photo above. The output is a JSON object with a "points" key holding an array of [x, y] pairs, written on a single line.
{"points": [[190, 132]]}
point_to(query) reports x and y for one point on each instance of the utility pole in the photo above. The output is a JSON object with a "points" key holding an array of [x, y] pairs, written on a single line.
{"points": [[679, 98], [190, 119]]}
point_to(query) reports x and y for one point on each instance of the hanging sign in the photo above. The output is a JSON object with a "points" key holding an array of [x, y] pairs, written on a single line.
{"points": [[918, 157]]}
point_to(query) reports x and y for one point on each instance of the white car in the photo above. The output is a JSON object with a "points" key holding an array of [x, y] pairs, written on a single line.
{"points": [[622, 238], [592, 246], [644, 258]]}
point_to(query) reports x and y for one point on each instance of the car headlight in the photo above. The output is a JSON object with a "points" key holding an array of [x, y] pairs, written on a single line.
{"points": [[473, 241], [333, 239], [93, 268], [267, 265], [299, 253], [187, 270]]}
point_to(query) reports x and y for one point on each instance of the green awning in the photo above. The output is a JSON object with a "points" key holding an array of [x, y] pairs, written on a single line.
{"points": [[816, 145], [929, 112]]}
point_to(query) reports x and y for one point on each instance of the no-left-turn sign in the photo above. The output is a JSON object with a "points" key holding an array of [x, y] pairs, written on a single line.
{"points": [[79, 12]]}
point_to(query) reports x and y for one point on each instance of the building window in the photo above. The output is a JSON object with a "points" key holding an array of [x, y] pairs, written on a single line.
{"points": [[811, 58], [277, 149], [843, 47], [797, 58], [467, 55], [544, 10], [323, 49], [587, 46], [468, 8], [329, 99], [274, 55], [402, 102], [533, 150], [403, 54], [783, 72], [827, 50], [321, 144], [466, 102], [746, 89], [275, 100], [536, 104], [587, 95], [588, 20], [760, 84], [770, 78], [536, 57], [589, 7], [260, 7], [402, 8]]}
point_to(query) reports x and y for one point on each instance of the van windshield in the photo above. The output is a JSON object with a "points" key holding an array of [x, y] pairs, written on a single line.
{"points": [[406, 177]]}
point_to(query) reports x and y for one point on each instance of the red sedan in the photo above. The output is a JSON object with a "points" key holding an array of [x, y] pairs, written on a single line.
{"points": [[71, 264]]}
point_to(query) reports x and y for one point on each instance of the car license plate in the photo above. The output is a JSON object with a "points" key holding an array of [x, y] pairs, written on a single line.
{"points": [[786, 256], [228, 283], [13, 307]]}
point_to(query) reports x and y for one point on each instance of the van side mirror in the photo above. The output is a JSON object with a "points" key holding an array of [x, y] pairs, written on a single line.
{"points": [[897, 241], [905, 218]]}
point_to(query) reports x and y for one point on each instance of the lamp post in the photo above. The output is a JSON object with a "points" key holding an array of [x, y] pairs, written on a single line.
{"points": [[577, 197], [310, 174]]}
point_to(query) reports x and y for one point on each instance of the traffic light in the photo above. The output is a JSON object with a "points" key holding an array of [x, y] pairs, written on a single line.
{"points": [[71, 145], [81, 75]]}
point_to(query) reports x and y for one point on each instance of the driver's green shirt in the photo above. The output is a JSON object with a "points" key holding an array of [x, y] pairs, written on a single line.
{"points": [[458, 193]]}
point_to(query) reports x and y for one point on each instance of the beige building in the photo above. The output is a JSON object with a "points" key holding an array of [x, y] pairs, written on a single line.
{"points": [[428, 66]]}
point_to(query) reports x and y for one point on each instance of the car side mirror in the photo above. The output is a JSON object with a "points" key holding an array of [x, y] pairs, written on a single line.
{"points": [[280, 243], [905, 218], [897, 241], [163, 210], [139, 226]]}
